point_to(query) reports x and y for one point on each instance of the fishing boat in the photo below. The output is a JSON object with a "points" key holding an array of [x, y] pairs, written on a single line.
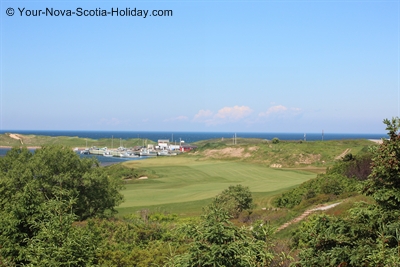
{"points": [[147, 153], [163, 153], [107, 154], [85, 152]]}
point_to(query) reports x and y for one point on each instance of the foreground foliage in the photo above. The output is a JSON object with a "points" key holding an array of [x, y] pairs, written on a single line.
{"points": [[215, 241], [41, 195], [370, 234]]}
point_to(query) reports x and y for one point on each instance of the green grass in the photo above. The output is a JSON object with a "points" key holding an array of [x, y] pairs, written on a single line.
{"points": [[184, 183]]}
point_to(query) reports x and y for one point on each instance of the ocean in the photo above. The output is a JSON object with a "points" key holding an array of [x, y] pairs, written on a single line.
{"points": [[187, 137]]}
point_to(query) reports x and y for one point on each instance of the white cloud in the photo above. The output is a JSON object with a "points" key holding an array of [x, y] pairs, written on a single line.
{"points": [[179, 118], [233, 113], [202, 115], [224, 115], [280, 110], [274, 109]]}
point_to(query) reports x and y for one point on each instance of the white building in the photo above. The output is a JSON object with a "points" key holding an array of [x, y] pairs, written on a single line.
{"points": [[163, 143]]}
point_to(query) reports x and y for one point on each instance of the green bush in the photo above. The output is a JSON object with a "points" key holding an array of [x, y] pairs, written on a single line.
{"points": [[234, 200], [215, 241]]}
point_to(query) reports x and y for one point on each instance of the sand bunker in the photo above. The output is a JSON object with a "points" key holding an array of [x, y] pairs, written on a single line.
{"points": [[226, 152], [308, 159], [276, 165]]}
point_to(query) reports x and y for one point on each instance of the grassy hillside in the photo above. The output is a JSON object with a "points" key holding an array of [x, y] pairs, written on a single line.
{"points": [[176, 180], [40, 140], [283, 154]]}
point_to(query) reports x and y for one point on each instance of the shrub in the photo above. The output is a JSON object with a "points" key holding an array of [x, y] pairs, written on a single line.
{"points": [[275, 140], [235, 199]]}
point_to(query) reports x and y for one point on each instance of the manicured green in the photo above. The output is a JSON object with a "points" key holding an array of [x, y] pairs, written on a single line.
{"points": [[176, 180]]}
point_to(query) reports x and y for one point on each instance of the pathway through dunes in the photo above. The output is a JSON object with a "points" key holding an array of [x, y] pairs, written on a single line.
{"points": [[183, 179], [306, 213], [343, 154]]}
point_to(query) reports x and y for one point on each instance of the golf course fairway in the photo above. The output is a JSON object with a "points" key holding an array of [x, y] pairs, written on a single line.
{"points": [[179, 180]]}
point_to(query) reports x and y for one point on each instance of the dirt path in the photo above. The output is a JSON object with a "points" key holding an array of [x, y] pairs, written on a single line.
{"points": [[343, 154], [305, 214]]}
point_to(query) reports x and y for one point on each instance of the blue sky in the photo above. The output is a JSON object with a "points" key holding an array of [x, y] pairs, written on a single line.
{"points": [[245, 66]]}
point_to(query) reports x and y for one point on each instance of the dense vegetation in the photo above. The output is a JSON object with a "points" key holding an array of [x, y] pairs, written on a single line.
{"points": [[41, 195], [370, 233]]}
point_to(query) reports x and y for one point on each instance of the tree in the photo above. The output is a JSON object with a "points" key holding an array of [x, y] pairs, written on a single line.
{"points": [[235, 199], [53, 174], [384, 181]]}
